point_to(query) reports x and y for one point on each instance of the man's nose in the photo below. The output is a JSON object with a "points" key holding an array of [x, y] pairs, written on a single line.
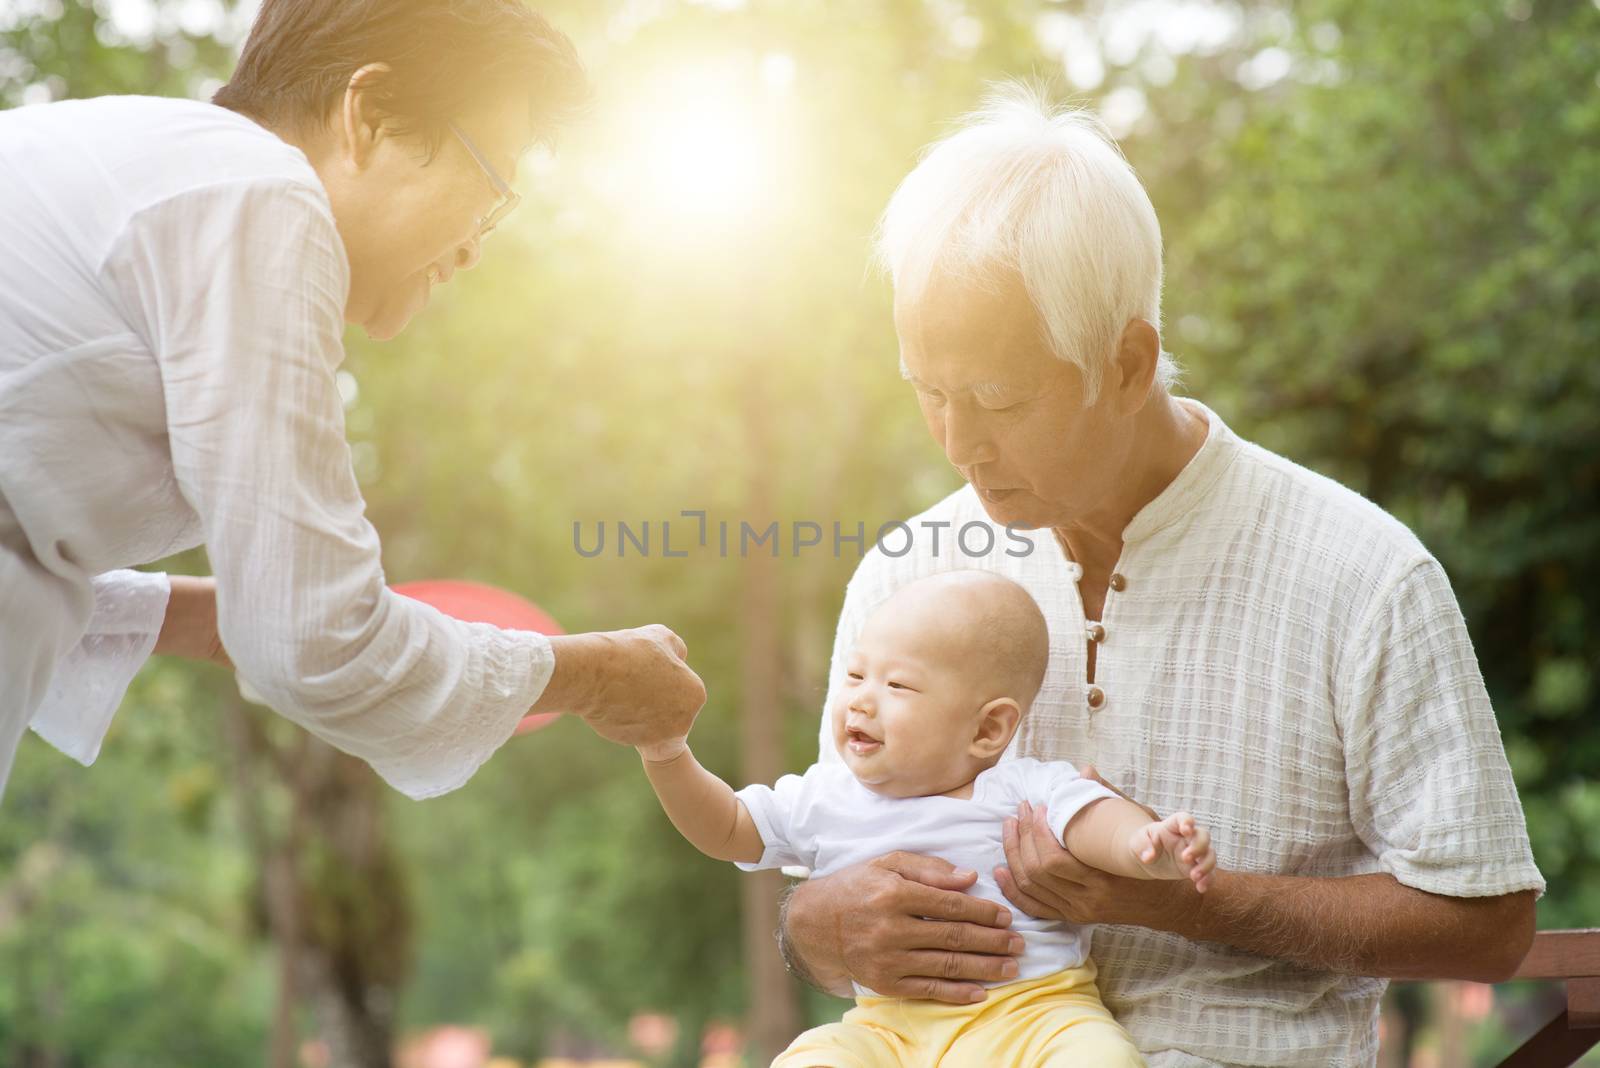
{"points": [[966, 442]]}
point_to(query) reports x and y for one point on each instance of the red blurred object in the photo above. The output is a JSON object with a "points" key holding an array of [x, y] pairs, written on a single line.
{"points": [[475, 602]]}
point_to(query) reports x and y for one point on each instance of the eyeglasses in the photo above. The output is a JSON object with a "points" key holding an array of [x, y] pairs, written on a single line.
{"points": [[508, 196]]}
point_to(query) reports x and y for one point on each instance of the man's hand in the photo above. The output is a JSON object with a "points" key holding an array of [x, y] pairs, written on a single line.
{"points": [[1353, 924], [1175, 848], [633, 687], [1043, 879], [902, 925]]}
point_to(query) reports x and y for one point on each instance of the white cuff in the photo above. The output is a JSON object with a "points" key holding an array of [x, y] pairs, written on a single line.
{"points": [[516, 667], [90, 681]]}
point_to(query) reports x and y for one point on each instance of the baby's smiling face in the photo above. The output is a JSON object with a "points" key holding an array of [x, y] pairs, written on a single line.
{"points": [[937, 682]]}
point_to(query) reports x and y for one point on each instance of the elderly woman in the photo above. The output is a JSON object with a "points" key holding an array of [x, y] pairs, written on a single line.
{"points": [[1231, 634], [176, 283]]}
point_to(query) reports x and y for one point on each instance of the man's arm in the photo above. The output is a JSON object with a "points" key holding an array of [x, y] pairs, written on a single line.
{"points": [[827, 975], [1431, 796], [1365, 925], [1360, 924]]}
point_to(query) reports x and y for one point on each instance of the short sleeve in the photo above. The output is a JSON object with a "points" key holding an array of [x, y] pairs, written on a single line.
{"points": [[1431, 793], [778, 813], [90, 681], [1057, 784]]}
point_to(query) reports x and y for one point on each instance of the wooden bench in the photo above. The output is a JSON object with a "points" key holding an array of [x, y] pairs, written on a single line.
{"points": [[1572, 957]]}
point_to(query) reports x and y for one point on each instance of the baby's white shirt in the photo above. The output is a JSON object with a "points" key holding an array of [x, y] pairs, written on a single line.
{"points": [[826, 820]]}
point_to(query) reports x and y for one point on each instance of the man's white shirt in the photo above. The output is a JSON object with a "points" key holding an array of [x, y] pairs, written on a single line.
{"points": [[1286, 661]]}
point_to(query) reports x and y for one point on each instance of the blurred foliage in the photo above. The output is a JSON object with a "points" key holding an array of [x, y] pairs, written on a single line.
{"points": [[1383, 248], [127, 926]]}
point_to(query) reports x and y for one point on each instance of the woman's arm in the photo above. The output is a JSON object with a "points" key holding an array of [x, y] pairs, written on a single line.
{"points": [[700, 805], [251, 327], [190, 626]]}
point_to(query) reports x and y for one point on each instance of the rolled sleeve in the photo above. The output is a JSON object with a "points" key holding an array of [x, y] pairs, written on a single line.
{"points": [[1431, 793]]}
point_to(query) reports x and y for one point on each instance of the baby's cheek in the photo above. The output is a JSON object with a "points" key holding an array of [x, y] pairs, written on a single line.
{"points": [[921, 752]]}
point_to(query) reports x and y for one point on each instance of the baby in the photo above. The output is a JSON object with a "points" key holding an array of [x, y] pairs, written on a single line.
{"points": [[935, 688]]}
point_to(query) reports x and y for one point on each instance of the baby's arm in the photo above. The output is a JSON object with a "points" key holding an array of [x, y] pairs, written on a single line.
{"points": [[701, 806], [1117, 836]]}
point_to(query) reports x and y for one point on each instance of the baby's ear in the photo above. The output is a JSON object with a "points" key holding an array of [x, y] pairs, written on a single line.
{"points": [[997, 722]]}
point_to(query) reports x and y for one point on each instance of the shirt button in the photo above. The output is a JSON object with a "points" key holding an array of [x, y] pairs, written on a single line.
{"points": [[1097, 632], [1118, 582], [1097, 697]]}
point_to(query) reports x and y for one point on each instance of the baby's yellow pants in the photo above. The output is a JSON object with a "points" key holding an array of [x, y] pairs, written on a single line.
{"points": [[1055, 1021]]}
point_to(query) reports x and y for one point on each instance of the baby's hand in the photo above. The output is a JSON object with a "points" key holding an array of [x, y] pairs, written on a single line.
{"points": [[1175, 848], [662, 752]]}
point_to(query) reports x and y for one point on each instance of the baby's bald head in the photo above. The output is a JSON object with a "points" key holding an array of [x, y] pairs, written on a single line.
{"points": [[936, 684], [987, 624]]}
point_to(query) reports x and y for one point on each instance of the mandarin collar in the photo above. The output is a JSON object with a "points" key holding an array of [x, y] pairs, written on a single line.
{"points": [[1186, 492]]}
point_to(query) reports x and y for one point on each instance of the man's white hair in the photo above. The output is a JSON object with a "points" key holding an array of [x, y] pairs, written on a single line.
{"points": [[1028, 188]]}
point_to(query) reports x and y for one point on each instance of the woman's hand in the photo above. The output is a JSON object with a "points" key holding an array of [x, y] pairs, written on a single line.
{"points": [[903, 926], [633, 687], [190, 626]]}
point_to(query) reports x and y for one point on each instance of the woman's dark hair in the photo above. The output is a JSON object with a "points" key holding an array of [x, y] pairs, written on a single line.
{"points": [[443, 55]]}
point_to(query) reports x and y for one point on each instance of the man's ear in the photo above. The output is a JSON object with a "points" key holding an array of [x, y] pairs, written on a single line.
{"points": [[1138, 355], [997, 722], [359, 124]]}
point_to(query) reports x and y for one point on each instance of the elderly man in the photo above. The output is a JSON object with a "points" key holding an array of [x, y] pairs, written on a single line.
{"points": [[1231, 634], [177, 281]]}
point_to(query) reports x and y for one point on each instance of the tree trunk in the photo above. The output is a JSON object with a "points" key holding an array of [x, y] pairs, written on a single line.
{"points": [[335, 902], [774, 1018]]}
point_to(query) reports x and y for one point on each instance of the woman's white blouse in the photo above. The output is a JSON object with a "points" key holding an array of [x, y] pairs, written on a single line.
{"points": [[171, 310]]}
